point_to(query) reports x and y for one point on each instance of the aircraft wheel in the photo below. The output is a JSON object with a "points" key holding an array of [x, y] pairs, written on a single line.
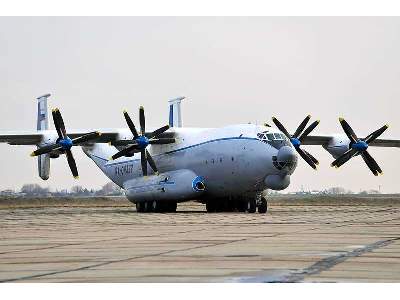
{"points": [[231, 205], [241, 206], [172, 207], [211, 206], [146, 207], [263, 206], [251, 206], [155, 206], [139, 207]]}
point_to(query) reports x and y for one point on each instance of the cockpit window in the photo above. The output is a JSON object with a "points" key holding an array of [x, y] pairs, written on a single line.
{"points": [[284, 137], [270, 136], [278, 136]]}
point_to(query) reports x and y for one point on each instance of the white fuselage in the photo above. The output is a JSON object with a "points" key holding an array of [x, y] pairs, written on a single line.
{"points": [[233, 160]]}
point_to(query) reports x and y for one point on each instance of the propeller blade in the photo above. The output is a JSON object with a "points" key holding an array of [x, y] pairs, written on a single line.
{"points": [[72, 164], [162, 141], [61, 122], [371, 163], [157, 132], [308, 130], [57, 123], [46, 149], [281, 127], [123, 143], [344, 158], [143, 160], [373, 136], [151, 162], [348, 130], [86, 137], [301, 127], [131, 125], [315, 161], [306, 158], [142, 121], [125, 152]]}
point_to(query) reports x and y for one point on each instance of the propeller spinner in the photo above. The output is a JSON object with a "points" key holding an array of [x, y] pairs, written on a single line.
{"points": [[297, 138], [142, 140], [359, 146], [64, 143]]}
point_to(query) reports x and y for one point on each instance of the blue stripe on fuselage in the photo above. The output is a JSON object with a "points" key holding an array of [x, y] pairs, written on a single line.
{"points": [[186, 148]]}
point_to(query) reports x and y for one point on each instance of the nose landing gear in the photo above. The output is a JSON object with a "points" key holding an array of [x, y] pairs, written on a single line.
{"points": [[262, 205]]}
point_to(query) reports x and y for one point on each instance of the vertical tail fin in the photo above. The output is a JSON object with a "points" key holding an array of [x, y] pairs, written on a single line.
{"points": [[42, 113], [43, 124], [175, 114]]}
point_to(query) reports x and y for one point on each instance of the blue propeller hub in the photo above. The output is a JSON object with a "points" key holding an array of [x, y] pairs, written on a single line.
{"points": [[360, 146], [66, 143], [295, 142], [142, 141]]}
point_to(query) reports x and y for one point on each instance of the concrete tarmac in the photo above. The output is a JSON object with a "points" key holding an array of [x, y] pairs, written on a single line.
{"points": [[294, 243]]}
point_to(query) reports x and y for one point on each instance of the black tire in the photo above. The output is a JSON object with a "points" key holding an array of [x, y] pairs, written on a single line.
{"points": [[220, 206], [155, 206], [263, 207], [211, 206], [171, 207], [231, 205], [146, 207], [251, 206], [241, 206], [139, 207]]}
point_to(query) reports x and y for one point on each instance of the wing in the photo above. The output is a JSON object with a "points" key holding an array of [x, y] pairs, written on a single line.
{"points": [[317, 140], [23, 138], [326, 139], [37, 137], [385, 143]]}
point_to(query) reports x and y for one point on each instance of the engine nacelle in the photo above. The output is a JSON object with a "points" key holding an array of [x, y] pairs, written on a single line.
{"points": [[337, 145], [177, 186]]}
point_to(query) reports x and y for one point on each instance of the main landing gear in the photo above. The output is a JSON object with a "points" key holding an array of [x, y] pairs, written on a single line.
{"points": [[156, 207], [250, 205]]}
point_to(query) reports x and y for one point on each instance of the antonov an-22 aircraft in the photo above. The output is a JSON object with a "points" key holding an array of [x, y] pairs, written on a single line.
{"points": [[227, 168]]}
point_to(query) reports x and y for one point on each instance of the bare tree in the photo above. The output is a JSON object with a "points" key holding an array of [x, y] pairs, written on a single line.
{"points": [[34, 190]]}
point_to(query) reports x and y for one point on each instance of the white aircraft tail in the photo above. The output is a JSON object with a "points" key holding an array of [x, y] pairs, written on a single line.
{"points": [[175, 114], [43, 124]]}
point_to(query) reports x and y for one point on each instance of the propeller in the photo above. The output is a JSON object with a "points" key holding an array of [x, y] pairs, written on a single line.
{"points": [[359, 146], [64, 143], [297, 138], [141, 141]]}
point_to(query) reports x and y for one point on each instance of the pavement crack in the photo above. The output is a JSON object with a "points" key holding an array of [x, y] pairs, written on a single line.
{"points": [[331, 261]]}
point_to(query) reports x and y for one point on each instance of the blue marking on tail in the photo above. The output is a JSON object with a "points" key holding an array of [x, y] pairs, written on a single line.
{"points": [[171, 116]]}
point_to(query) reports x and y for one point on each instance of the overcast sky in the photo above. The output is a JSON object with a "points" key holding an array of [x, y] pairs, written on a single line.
{"points": [[234, 70]]}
